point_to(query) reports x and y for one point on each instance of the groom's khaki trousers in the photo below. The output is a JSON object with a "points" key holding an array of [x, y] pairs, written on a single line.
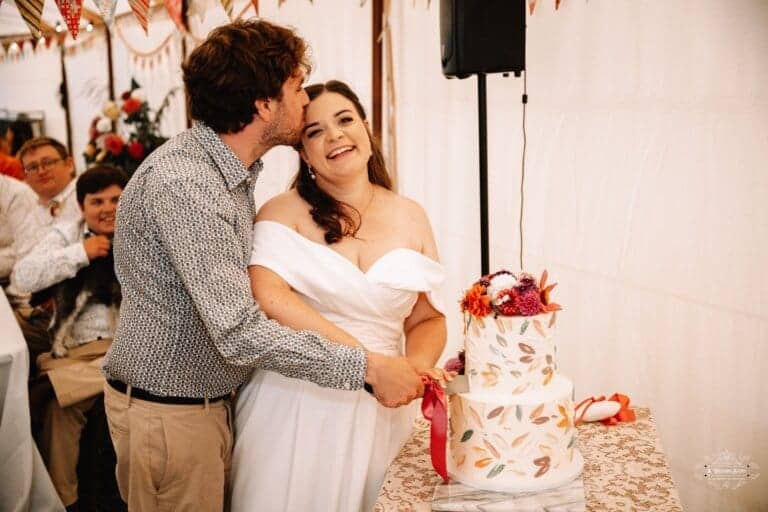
{"points": [[170, 457]]}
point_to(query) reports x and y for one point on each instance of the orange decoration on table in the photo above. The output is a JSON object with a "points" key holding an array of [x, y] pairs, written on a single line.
{"points": [[625, 414]]}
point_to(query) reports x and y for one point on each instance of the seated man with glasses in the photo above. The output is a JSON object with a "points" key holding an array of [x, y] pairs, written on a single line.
{"points": [[50, 172], [69, 251]]}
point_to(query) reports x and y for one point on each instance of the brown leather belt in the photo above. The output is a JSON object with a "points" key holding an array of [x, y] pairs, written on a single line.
{"points": [[150, 397]]}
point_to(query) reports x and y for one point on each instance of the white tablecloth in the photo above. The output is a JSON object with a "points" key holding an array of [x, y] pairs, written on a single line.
{"points": [[24, 482]]}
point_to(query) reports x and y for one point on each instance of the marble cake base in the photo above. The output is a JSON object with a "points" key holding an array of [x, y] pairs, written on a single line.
{"points": [[460, 497]]}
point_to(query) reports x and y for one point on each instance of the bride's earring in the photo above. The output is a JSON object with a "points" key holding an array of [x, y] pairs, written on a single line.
{"points": [[311, 172]]}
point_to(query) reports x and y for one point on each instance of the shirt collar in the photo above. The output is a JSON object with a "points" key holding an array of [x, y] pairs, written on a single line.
{"points": [[231, 167], [61, 197]]}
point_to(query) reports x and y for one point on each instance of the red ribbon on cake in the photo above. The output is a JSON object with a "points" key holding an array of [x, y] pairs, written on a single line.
{"points": [[435, 409], [624, 414]]}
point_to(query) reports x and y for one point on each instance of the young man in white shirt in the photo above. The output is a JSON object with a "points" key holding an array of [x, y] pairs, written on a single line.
{"points": [[77, 382]]}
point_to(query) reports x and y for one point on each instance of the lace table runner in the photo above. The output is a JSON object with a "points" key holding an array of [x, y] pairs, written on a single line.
{"points": [[624, 469]]}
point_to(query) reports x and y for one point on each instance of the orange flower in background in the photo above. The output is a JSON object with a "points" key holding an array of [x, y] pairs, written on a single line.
{"points": [[113, 143], [476, 301], [131, 106]]}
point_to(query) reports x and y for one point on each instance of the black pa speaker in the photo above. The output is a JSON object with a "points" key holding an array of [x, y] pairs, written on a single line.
{"points": [[482, 36]]}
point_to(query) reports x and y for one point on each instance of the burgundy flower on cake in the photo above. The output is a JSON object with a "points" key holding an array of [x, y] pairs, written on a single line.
{"points": [[456, 364]]}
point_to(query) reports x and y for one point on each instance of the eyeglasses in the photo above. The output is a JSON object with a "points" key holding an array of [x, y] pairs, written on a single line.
{"points": [[46, 164]]}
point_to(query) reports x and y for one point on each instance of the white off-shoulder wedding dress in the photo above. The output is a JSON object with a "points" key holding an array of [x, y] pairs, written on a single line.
{"points": [[300, 447]]}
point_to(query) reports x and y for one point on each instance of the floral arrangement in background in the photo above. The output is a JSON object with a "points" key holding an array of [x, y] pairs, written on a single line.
{"points": [[504, 293], [106, 144]]}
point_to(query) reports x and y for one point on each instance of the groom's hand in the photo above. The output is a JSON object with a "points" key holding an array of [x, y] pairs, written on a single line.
{"points": [[393, 379]]}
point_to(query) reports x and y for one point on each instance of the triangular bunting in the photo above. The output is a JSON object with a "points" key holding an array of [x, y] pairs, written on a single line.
{"points": [[557, 4], [254, 2], [174, 11], [140, 9], [228, 4], [30, 11], [70, 10], [531, 5], [107, 10]]}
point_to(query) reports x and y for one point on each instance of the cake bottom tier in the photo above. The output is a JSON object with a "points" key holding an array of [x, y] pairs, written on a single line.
{"points": [[525, 443]]}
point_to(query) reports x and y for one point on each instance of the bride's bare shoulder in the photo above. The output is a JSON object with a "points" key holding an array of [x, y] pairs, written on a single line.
{"points": [[285, 208]]}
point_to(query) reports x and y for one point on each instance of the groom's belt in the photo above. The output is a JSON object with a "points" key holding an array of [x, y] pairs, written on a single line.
{"points": [[150, 397]]}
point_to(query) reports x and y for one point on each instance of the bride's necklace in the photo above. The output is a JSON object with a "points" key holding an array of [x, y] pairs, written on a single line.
{"points": [[370, 201]]}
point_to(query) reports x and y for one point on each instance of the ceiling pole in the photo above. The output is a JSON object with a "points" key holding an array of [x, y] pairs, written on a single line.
{"points": [[377, 9], [65, 98], [110, 65]]}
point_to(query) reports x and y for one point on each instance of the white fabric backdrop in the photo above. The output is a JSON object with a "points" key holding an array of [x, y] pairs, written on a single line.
{"points": [[645, 198], [647, 140]]}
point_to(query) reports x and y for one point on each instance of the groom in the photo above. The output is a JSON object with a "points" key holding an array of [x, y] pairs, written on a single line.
{"points": [[190, 332]]}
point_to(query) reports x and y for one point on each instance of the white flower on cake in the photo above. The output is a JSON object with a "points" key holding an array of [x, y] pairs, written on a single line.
{"points": [[502, 282]]}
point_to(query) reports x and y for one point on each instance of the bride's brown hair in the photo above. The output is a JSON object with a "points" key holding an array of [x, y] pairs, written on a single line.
{"points": [[326, 211]]}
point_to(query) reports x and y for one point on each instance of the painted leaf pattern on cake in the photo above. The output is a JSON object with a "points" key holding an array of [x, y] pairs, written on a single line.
{"points": [[496, 471], [481, 463], [495, 412], [492, 449]]}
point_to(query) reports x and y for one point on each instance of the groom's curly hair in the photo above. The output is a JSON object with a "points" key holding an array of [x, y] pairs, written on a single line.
{"points": [[236, 65]]}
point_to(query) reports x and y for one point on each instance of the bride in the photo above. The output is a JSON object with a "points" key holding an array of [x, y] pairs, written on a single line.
{"points": [[342, 255]]}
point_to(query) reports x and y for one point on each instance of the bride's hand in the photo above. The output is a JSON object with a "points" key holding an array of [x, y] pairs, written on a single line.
{"points": [[439, 374]]}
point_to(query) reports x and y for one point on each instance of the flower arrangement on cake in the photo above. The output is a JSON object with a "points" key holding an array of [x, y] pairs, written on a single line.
{"points": [[504, 293], [131, 113]]}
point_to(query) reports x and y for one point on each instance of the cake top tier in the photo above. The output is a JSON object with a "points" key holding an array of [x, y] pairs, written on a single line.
{"points": [[505, 293]]}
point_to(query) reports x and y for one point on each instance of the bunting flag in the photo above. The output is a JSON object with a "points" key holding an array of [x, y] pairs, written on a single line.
{"points": [[107, 10], [557, 4], [531, 5], [140, 9], [71, 10], [31, 10], [254, 2], [228, 4], [174, 11]]}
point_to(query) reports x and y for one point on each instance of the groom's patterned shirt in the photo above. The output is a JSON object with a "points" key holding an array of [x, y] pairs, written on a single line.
{"points": [[189, 325]]}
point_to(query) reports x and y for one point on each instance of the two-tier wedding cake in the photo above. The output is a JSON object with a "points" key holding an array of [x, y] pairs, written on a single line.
{"points": [[514, 430]]}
